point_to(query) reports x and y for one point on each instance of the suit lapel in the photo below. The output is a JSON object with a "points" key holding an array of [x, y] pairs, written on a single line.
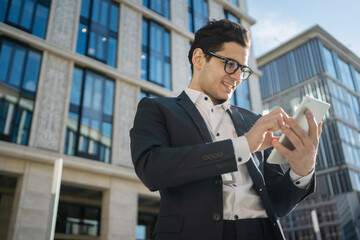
{"points": [[185, 102]]}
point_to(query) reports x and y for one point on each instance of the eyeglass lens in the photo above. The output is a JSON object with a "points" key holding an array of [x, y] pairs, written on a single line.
{"points": [[231, 67]]}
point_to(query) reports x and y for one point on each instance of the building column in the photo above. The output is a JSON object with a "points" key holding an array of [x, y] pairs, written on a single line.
{"points": [[126, 100], [51, 105], [129, 47], [31, 215], [119, 211]]}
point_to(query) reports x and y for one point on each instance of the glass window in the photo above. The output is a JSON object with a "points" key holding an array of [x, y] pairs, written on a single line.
{"points": [[198, 14], [155, 56], [76, 216], [28, 15], [231, 17], [235, 2], [329, 62], [345, 74], [98, 30], [241, 96], [161, 7], [89, 124], [19, 73]]}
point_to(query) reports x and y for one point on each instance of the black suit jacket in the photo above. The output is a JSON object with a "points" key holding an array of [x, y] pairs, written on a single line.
{"points": [[173, 152]]}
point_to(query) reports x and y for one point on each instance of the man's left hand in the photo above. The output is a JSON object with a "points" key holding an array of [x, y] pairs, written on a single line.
{"points": [[303, 157]]}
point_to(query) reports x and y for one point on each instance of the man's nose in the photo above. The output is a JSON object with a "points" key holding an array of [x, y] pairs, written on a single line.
{"points": [[236, 75]]}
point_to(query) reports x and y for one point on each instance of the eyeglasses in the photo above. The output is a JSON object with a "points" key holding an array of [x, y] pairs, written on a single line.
{"points": [[231, 66]]}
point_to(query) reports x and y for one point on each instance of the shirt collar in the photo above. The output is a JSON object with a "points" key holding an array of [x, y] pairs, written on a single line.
{"points": [[196, 96]]}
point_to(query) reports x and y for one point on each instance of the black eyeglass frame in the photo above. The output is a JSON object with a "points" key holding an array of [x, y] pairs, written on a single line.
{"points": [[242, 67]]}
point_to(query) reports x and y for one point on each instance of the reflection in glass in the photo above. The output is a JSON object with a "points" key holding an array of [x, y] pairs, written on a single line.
{"points": [[89, 125], [155, 57], [19, 72], [98, 30], [28, 15]]}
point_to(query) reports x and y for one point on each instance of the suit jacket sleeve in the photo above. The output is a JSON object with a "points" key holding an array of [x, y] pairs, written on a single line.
{"points": [[282, 192], [160, 165]]}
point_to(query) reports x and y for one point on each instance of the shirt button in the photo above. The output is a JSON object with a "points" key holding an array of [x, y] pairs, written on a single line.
{"points": [[206, 98], [239, 159], [218, 134], [218, 182], [234, 185], [212, 110], [236, 217], [260, 189], [216, 217], [297, 182]]}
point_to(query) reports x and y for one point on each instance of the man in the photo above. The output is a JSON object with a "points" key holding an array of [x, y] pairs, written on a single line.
{"points": [[207, 158]]}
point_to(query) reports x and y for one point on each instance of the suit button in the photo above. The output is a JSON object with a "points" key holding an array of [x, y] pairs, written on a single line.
{"points": [[216, 217], [218, 182], [239, 159]]}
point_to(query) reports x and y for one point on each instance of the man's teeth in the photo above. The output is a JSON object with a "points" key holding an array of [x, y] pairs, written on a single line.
{"points": [[227, 84]]}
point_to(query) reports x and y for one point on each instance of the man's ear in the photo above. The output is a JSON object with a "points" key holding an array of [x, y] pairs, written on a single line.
{"points": [[198, 58]]}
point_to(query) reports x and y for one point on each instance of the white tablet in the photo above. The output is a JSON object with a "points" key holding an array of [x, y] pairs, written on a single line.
{"points": [[318, 109]]}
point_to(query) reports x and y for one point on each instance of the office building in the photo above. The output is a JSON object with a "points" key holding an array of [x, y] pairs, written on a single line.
{"points": [[315, 64], [71, 75]]}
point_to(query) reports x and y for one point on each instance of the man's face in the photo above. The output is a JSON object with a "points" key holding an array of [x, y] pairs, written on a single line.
{"points": [[214, 81]]}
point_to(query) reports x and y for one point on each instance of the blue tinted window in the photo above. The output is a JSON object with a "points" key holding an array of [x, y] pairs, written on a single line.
{"points": [[235, 2], [3, 8], [161, 7], [5, 56], [198, 14], [14, 14], [17, 66], [28, 15], [345, 74], [241, 97], [32, 71], [76, 87], [98, 31], [82, 37], [329, 62], [114, 18], [85, 8], [42, 13], [155, 57], [89, 124], [19, 72], [231, 17]]}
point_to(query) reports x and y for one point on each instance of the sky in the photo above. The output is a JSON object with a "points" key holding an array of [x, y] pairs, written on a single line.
{"points": [[280, 20]]}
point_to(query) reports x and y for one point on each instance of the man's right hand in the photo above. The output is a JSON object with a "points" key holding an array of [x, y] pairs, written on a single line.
{"points": [[260, 136]]}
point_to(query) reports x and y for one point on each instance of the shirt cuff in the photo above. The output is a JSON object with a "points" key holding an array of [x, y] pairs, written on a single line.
{"points": [[241, 149], [299, 181]]}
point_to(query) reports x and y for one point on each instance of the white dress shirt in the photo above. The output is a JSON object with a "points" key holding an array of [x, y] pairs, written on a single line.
{"points": [[239, 197]]}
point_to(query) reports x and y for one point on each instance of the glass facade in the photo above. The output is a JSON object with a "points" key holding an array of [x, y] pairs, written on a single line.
{"points": [[315, 70], [161, 7], [98, 30], [198, 14], [89, 124], [28, 15], [79, 213], [155, 56], [19, 73]]}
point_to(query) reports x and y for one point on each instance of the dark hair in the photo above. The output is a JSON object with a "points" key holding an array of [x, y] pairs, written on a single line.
{"points": [[216, 32]]}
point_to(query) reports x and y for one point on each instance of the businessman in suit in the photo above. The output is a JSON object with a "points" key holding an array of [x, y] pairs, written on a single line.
{"points": [[208, 158]]}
